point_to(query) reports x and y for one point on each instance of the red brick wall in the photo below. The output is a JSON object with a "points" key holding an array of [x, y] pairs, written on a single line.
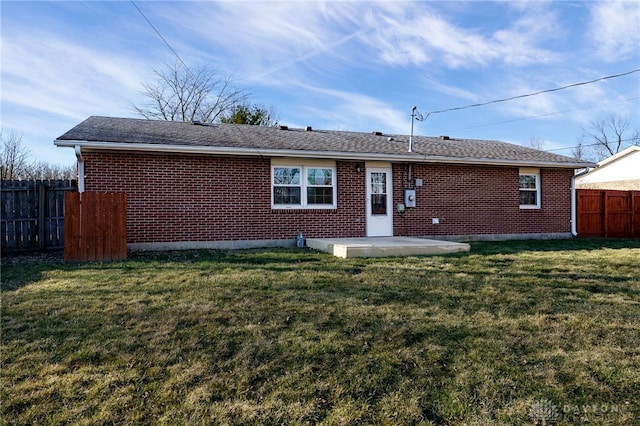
{"points": [[201, 198], [174, 198], [474, 200]]}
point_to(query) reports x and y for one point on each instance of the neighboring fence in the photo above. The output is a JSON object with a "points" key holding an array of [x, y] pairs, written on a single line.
{"points": [[606, 213], [95, 226], [32, 214]]}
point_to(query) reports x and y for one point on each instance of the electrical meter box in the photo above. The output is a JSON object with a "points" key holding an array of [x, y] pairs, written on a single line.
{"points": [[410, 197]]}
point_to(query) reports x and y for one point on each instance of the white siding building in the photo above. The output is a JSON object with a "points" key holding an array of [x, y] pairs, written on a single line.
{"points": [[620, 171]]}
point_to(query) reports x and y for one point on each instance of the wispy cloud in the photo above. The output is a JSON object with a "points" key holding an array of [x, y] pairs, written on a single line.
{"points": [[356, 111], [258, 38], [414, 34], [53, 79], [454, 91], [615, 29], [320, 50], [521, 42], [398, 34], [81, 81]]}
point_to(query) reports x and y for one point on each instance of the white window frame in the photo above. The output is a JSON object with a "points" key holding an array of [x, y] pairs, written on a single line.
{"points": [[304, 166], [536, 174]]}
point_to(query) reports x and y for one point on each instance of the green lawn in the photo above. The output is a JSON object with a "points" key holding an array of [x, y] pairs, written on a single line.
{"points": [[511, 333]]}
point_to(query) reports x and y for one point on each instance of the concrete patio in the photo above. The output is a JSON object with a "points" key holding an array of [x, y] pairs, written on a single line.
{"points": [[385, 246]]}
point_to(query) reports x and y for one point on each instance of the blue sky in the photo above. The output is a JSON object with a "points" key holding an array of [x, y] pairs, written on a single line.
{"points": [[357, 66]]}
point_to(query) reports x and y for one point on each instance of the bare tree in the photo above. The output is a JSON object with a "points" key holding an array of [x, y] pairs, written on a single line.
{"points": [[610, 134], [14, 157], [578, 151], [536, 143], [16, 164], [584, 151], [43, 171], [180, 94]]}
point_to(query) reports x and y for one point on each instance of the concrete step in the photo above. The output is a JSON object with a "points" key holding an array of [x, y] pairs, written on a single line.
{"points": [[385, 246]]}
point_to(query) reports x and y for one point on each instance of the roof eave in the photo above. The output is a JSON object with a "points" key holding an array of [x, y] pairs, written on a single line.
{"points": [[627, 151], [214, 150]]}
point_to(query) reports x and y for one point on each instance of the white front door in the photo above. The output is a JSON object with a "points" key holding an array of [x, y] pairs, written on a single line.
{"points": [[379, 202]]}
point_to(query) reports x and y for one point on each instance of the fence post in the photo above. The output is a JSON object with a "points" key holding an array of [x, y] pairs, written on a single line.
{"points": [[605, 213], [635, 215], [41, 210]]}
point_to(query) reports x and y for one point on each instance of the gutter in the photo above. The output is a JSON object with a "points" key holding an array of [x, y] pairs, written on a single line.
{"points": [[209, 150], [80, 168], [584, 171]]}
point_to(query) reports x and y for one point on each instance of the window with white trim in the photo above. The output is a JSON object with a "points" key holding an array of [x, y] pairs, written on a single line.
{"points": [[529, 188], [306, 185]]}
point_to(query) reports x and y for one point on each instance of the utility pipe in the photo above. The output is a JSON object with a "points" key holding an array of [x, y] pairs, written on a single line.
{"points": [[80, 168], [574, 230]]}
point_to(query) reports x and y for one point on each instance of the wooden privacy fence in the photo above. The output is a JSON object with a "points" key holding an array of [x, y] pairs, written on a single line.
{"points": [[32, 214], [607, 213], [95, 226]]}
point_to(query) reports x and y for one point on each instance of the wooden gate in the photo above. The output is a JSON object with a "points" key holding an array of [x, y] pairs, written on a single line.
{"points": [[607, 213], [95, 226]]}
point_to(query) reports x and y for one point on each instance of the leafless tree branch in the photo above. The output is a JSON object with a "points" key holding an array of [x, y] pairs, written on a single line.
{"points": [[610, 134], [180, 94], [14, 157], [16, 164]]}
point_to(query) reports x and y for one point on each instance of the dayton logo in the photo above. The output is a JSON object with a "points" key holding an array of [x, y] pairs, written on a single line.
{"points": [[544, 412]]}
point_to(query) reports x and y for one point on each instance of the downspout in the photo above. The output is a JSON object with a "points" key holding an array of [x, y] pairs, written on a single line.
{"points": [[80, 169], [574, 230]]}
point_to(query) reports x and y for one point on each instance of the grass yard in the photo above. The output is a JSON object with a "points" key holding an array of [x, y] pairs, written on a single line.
{"points": [[511, 333]]}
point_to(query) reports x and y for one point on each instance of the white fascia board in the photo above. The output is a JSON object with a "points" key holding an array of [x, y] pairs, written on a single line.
{"points": [[335, 155], [495, 162], [620, 154]]}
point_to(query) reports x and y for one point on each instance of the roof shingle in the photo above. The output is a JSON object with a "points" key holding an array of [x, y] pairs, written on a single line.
{"points": [[110, 133]]}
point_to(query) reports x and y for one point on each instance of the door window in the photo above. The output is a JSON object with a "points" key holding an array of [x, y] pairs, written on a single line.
{"points": [[378, 193]]}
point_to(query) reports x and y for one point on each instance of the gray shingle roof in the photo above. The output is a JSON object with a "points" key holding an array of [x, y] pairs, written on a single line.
{"points": [[128, 133]]}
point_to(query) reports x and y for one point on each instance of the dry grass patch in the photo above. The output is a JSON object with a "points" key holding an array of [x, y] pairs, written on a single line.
{"points": [[298, 337]]}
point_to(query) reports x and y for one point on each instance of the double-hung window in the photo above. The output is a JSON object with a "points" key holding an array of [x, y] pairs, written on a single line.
{"points": [[529, 188], [287, 185], [305, 185]]}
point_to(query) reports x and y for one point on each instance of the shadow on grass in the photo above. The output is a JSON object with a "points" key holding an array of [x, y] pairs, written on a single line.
{"points": [[22, 269]]}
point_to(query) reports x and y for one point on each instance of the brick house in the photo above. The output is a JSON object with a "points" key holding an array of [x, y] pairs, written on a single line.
{"points": [[191, 185]]}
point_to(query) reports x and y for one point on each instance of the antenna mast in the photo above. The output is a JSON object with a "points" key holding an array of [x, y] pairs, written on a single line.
{"points": [[413, 115]]}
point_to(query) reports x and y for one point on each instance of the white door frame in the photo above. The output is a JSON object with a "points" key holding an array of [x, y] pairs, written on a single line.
{"points": [[380, 222]]}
